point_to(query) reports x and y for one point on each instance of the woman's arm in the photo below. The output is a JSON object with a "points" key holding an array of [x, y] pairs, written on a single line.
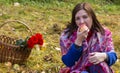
{"points": [[107, 55], [69, 55], [112, 57], [72, 55]]}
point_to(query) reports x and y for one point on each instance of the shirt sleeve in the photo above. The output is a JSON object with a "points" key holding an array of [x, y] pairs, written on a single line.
{"points": [[72, 55], [112, 57]]}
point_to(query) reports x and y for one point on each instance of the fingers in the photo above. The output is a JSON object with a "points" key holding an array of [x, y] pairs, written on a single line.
{"points": [[82, 35], [97, 62], [92, 58], [85, 32], [91, 54]]}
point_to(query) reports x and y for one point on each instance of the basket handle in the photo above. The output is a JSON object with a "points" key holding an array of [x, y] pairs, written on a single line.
{"points": [[17, 22]]}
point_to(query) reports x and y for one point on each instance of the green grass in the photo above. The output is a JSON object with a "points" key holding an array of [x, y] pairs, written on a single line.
{"points": [[50, 18]]}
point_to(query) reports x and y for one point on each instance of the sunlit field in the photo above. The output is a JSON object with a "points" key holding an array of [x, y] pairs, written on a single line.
{"points": [[50, 18]]}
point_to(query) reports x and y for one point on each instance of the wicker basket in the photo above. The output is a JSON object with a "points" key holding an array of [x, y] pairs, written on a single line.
{"points": [[9, 52]]}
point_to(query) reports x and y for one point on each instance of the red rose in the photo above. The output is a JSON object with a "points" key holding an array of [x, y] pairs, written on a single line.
{"points": [[35, 39], [32, 41], [40, 39], [38, 35], [30, 44]]}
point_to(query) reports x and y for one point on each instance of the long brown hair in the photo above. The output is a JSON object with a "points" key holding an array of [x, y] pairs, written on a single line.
{"points": [[72, 26]]}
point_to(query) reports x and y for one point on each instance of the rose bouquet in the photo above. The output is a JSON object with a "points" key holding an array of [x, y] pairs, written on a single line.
{"points": [[29, 42]]}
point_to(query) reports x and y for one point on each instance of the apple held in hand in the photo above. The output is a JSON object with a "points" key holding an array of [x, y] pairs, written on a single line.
{"points": [[83, 27]]}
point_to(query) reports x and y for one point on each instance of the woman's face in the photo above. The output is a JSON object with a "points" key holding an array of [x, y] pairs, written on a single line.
{"points": [[82, 17]]}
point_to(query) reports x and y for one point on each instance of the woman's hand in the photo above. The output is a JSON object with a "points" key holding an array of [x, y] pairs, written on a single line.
{"points": [[97, 57], [81, 36]]}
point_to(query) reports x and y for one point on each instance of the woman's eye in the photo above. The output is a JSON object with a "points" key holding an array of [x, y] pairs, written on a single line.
{"points": [[77, 18], [85, 17]]}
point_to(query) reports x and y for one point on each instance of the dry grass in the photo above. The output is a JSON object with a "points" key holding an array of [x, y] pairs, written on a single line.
{"points": [[50, 22]]}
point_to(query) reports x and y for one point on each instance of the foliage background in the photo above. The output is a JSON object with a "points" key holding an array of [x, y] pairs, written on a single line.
{"points": [[50, 17]]}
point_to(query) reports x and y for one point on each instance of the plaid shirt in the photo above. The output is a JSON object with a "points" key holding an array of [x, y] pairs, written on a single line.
{"points": [[97, 43]]}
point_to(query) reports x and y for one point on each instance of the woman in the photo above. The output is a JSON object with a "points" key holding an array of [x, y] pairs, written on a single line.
{"points": [[86, 46]]}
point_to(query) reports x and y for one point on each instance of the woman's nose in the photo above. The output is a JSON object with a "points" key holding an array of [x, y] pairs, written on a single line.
{"points": [[81, 20]]}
